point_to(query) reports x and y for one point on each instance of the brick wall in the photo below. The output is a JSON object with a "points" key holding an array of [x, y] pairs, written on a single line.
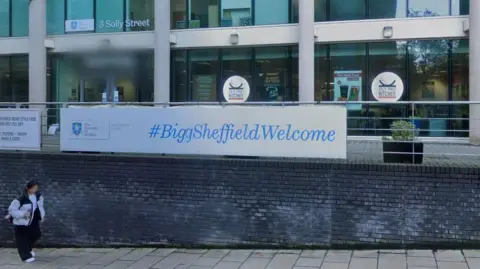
{"points": [[97, 200]]}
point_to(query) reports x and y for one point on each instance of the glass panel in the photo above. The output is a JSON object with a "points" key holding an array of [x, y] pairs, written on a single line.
{"points": [[321, 10], [179, 14], [19, 78], [460, 87], [139, 15], [272, 74], [79, 9], [55, 17], [20, 17], [385, 57], [379, 9], [203, 13], [145, 76], [5, 89], [323, 91], [342, 10], [236, 13], [4, 18], [294, 15], [271, 11], [67, 80], [428, 8], [347, 74], [109, 17], [179, 76], [295, 92], [428, 61], [203, 81], [237, 62], [461, 7]]}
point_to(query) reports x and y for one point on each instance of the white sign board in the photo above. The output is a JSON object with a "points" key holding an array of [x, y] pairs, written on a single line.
{"points": [[236, 89], [297, 131], [87, 25], [20, 129], [387, 87]]}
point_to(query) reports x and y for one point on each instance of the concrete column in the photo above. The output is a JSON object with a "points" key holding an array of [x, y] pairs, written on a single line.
{"points": [[37, 58], [306, 50], [475, 71], [162, 51]]}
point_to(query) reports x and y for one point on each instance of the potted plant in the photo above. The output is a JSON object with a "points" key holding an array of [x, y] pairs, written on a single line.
{"points": [[402, 147]]}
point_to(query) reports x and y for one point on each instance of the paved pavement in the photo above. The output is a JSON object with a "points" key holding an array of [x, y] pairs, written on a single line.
{"points": [[146, 258]]}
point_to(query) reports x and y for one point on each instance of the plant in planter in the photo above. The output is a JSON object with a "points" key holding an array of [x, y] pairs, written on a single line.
{"points": [[402, 147]]}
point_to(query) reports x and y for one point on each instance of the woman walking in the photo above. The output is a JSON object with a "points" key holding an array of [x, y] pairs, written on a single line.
{"points": [[26, 212]]}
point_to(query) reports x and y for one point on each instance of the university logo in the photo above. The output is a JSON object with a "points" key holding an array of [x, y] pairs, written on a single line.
{"points": [[387, 90], [76, 128], [74, 24]]}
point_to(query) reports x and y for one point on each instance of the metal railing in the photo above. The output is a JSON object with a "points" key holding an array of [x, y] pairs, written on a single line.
{"points": [[441, 129]]}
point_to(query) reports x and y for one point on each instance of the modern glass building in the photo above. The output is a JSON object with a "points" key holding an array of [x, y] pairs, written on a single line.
{"points": [[287, 50]]}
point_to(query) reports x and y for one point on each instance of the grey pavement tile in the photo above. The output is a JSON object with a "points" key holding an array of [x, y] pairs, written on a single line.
{"points": [[309, 262], [216, 253], [119, 265], [175, 259], [283, 261], [420, 253], [198, 267], [392, 251], [313, 253], [189, 258], [473, 263], [192, 251], [91, 266], [264, 253], [137, 254], [228, 265], [111, 256], [392, 261], [334, 265], [421, 262], [449, 256], [98, 250], [471, 253], [162, 252], [300, 267], [145, 262], [365, 253], [290, 251], [453, 265], [34, 265], [363, 263], [66, 262], [9, 266], [207, 261], [255, 263], [341, 256], [239, 255], [182, 266]]}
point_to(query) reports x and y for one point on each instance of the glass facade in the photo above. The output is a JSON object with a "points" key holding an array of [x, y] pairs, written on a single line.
{"points": [[14, 18], [199, 75], [107, 15], [14, 78]]}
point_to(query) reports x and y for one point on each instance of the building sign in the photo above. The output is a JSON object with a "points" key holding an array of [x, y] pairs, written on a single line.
{"points": [[348, 87], [120, 24], [387, 87], [79, 25], [20, 129], [236, 89], [295, 131]]}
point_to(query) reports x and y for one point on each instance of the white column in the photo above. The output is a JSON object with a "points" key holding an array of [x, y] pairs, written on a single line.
{"points": [[475, 70], [306, 50], [37, 58], [162, 51]]}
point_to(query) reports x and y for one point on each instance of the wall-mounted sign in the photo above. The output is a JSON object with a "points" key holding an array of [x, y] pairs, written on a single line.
{"points": [[348, 87], [387, 87], [119, 24], [79, 25], [291, 131], [236, 89]]}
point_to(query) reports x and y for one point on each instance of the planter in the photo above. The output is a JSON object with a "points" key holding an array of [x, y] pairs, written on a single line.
{"points": [[402, 152], [417, 123]]}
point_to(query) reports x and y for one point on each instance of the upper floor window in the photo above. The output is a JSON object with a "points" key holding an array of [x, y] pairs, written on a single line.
{"points": [[13, 18]]}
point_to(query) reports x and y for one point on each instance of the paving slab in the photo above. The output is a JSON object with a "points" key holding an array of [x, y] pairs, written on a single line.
{"points": [[363, 263], [137, 254], [313, 253], [239, 255], [170, 262], [216, 253], [264, 253], [207, 261], [453, 265], [365, 254], [255, 263], [421, 262], [283, 261], [145, 262], [192, 251], [227, 265], [420, 253], [473, 262], [198, 267], [449, 256], [341, 256], [471, 253], [111, 256], [309, 262], [392, 261], [162, 252], [119, 265], [91, 266], [334, 265]]}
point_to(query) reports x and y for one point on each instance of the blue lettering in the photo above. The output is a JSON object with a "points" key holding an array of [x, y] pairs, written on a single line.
{"points": [[214, 134], [253, 135], [245, 133], [198, 131], [238, 134], [331, 135], [269, 133], [166, 132], [318, 135], [296, 135], [281, 135]]}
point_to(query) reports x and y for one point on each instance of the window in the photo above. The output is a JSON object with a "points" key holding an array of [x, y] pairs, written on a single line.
{"points": [[323, 89], [237, 62], [384, 9], [139, 15], [20, 17], [428, 8], [109, 16], [342, 10], [79, 9], [271, 12], [461, 7], [236, 13], [178, 14], [179, 76], [19, 78], [203, 13], [460, 87], [55, 17], [272, 74], [4, 18], [204, 66]]}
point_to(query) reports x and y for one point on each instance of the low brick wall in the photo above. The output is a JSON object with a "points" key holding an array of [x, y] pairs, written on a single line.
{"points": [[110, 200]]}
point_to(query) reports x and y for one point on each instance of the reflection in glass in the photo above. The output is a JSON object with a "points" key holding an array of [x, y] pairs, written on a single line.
{"points": [[236, 13], [55, 17], [323, 91], [179, 14], [384, 9], [179, 76], [139, 15], [5, 89], [20, 17], [203, 75], [271, 11], [203, 13], [237, 62], [460, 87], [19, 78], [4, 18], [109, 16], [428, 8], [272, 74], [343, 10], [461, 7], [79, 9]]}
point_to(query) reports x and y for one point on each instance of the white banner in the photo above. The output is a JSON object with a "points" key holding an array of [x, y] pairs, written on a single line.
{"points": [[20, 129], [297, 131]]}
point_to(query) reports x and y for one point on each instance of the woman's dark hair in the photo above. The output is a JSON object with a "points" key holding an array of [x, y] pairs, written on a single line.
{"points": [[31, 184]]}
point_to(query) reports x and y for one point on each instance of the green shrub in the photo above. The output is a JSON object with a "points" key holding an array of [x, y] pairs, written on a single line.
{"points": [[403, 130]]}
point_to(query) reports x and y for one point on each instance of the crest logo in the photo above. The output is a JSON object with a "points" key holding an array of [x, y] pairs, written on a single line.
{"points": [[76, 128], [74, 24]]}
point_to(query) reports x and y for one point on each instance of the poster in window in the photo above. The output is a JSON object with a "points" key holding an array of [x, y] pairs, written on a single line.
{"points": [[205, 88], [348, 87]]}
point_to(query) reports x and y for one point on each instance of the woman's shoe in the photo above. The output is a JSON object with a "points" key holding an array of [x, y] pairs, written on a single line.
{"points": [[30, 260]]}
